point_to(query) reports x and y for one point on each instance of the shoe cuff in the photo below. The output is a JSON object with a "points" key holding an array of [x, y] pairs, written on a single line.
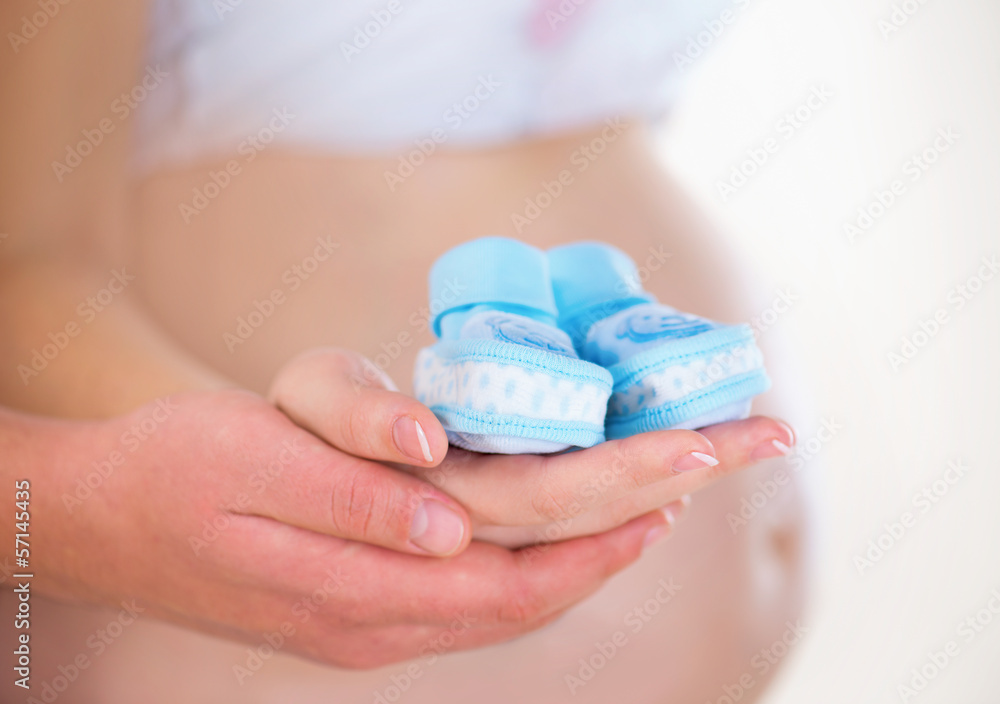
{"points": [[497, 272], [590, 281]]}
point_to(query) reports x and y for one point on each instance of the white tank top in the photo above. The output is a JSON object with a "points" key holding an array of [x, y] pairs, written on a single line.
{"points": [[377, 76]]}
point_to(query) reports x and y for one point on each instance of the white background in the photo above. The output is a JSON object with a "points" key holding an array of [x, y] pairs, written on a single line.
{"points": [[857, 300]]}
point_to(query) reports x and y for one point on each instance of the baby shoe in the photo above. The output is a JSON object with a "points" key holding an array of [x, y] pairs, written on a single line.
{"points": [[669, 369], [504, 378]]}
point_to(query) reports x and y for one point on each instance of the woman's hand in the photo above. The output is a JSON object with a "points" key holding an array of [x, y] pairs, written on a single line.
{"points": [[517, 500], [524, 499], [213, 510]]}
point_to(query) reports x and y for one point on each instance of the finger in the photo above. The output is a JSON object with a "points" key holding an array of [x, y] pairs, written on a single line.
{"points": [[313, 486], [486, 584], [604, 518], [738, 445], [537, 490], [594, 490], [347, 401], [750, 440]]}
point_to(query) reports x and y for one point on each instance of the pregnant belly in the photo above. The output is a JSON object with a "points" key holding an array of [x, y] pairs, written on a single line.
{"points": [[298, 252]]}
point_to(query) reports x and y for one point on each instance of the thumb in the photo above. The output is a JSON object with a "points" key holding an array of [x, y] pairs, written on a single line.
{"points": [[344, 399]]}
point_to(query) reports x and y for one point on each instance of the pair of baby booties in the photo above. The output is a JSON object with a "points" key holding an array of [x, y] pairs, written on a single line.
{"points": [[542, 351]]}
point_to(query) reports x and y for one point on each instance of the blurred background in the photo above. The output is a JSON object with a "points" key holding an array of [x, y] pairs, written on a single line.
{"points": [[905, 92], [851, 151]]}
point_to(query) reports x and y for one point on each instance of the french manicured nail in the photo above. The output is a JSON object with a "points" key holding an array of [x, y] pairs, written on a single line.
{"points": [[411, 440], [676, 509], [694, 460], [790, 430], [657, 534], [436, 528], [770, 448]]}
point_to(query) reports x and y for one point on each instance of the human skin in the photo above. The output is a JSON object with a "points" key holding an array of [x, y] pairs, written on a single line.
{"points": [[235, 243], [523, 500], [742, 587], [233, 560]]}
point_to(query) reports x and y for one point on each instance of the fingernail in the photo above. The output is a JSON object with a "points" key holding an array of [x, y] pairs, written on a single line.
{"points": [[411, 440], [436, 528], [657, 534], [790, 430], [676, 509], [771, 448], [694, 460]]}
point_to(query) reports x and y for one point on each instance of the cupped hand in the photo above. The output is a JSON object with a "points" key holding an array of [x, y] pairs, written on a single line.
{"points": [[518, 500], [215, 511]]}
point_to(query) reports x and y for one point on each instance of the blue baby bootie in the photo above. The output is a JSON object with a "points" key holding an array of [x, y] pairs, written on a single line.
{"points": [[504, 378], [669, 369]]}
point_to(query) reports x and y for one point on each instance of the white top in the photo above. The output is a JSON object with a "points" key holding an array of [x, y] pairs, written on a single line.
{"points": [[379, 75]]}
